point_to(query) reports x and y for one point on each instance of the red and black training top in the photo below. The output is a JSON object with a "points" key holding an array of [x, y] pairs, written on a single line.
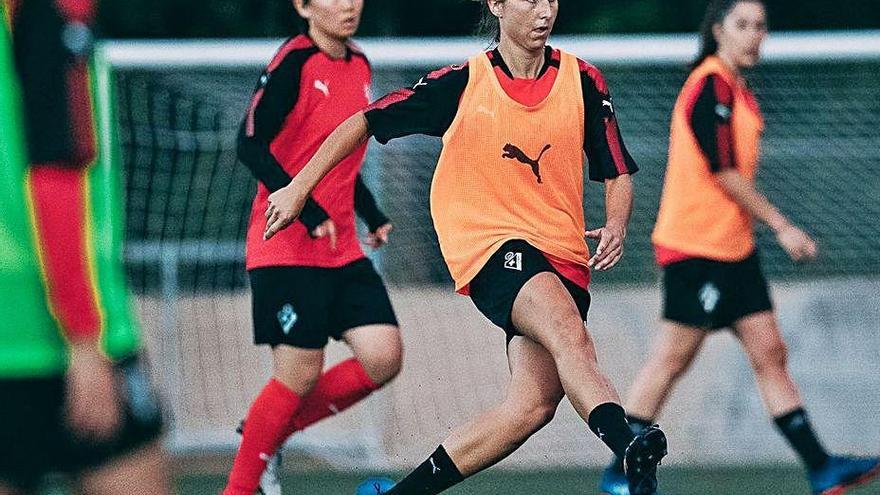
{"points": [[430, 106], [301, 97]]}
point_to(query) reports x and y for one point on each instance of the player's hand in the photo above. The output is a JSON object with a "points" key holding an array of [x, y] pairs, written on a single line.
{"points": [[610, 248], [285, 205], [799, 246], [379, 238], [92, 399], [326, 229]]}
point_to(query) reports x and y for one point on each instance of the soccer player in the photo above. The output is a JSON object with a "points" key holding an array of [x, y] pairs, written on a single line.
{"points": [[76, 399], [704, 241], [312, 282], [507, 204]]}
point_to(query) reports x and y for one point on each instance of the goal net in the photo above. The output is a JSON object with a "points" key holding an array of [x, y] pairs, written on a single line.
{"points": [[179, 104]]}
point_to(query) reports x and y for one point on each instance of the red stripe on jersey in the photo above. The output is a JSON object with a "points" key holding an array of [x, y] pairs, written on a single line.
{"points": [[390, 99], [613, 138], [250, 127], [437, 74], [724, 96], [76, 10], [300, 42], [595, 74]]}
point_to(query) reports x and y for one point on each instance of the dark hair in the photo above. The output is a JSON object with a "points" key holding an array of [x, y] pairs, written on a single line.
{"points": [[488, 26], [716, 11]]}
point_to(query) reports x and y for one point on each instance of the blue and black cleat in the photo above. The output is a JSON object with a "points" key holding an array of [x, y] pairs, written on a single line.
{"points": [[642, 457], [375, 486], [614, 482], [839, 474]]}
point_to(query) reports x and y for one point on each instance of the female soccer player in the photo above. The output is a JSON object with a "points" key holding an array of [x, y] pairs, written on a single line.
{"points": [[705, 243], [76, 399], [507, 204], [312, 281]]}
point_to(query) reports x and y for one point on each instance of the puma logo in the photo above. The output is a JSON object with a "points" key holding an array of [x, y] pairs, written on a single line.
{"points": [[512, 152], [322, 87]]}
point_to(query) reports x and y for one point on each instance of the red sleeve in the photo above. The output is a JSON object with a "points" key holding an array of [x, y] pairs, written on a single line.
{"points": [[77, 10], [60, 209], [709, 111]]}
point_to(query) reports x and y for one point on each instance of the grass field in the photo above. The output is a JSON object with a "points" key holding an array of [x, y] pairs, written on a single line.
{"points": [[674, 481]]}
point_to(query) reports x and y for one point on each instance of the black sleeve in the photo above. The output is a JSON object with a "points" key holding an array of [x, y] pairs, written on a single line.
{"points": [[51, 54], [606, 152], [710, 122], [429, 107], [276, 95], [366, 207]]}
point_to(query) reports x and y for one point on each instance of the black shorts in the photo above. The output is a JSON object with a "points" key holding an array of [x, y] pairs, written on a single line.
{"points": [[303, 306], [35, 440], [496, 286], [714, 294]]}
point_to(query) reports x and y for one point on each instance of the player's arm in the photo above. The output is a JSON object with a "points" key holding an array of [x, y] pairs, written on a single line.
{"points": [[52, 45], [609, 162], [710, 122], [366, 207], [275, 97], [429, 107]]}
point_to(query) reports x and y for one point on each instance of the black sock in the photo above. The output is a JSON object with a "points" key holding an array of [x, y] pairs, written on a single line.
{"points": [[796, 428], [608, 422], [433, 476], [636, 425]]}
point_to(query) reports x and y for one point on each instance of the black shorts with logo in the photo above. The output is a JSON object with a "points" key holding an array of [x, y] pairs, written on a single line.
{"points": [[496, 286], [35, 439], [713, 294], [304, 306]]}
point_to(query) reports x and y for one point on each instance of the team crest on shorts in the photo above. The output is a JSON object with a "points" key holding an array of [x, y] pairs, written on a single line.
{"points": [[513, 261], [709, 297], [287, 317]]}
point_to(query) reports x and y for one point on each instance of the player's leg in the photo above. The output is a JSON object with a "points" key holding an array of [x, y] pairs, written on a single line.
{"points": [[377, 356], [141, 472], [290, 308], [546, 312], [671, 355], [532, 398], [763, 343], [364, 318]]}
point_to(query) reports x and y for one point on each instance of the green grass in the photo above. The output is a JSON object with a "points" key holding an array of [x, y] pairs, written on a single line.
{"points": [[674, 481]]}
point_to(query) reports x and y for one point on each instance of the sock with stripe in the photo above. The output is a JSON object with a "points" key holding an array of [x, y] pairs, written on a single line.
{"points": [[433, 476]]}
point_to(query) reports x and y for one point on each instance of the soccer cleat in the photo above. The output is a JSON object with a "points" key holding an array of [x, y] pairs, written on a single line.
{"points": [[839, 474], [613, 483], [640, 462], [374, 486], [269, 482]]}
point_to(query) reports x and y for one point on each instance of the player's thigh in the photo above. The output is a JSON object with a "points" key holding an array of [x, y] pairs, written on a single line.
{"points": [[378, 348], [546, 312], [296, 367], [676, 345], [141, 472], [761, 338]]}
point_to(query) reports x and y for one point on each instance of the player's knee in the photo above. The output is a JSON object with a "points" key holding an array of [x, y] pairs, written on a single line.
{"points": [[771, 357], [536, 415], [385, 366], [301, 380], [673, 363]]}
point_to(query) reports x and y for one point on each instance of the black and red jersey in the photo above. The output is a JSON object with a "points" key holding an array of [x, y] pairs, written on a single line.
{"points": [[430, 106], [301, 97]]}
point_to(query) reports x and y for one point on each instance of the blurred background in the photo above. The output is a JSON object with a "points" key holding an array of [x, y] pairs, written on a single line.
{"points": [[178, 100]]}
